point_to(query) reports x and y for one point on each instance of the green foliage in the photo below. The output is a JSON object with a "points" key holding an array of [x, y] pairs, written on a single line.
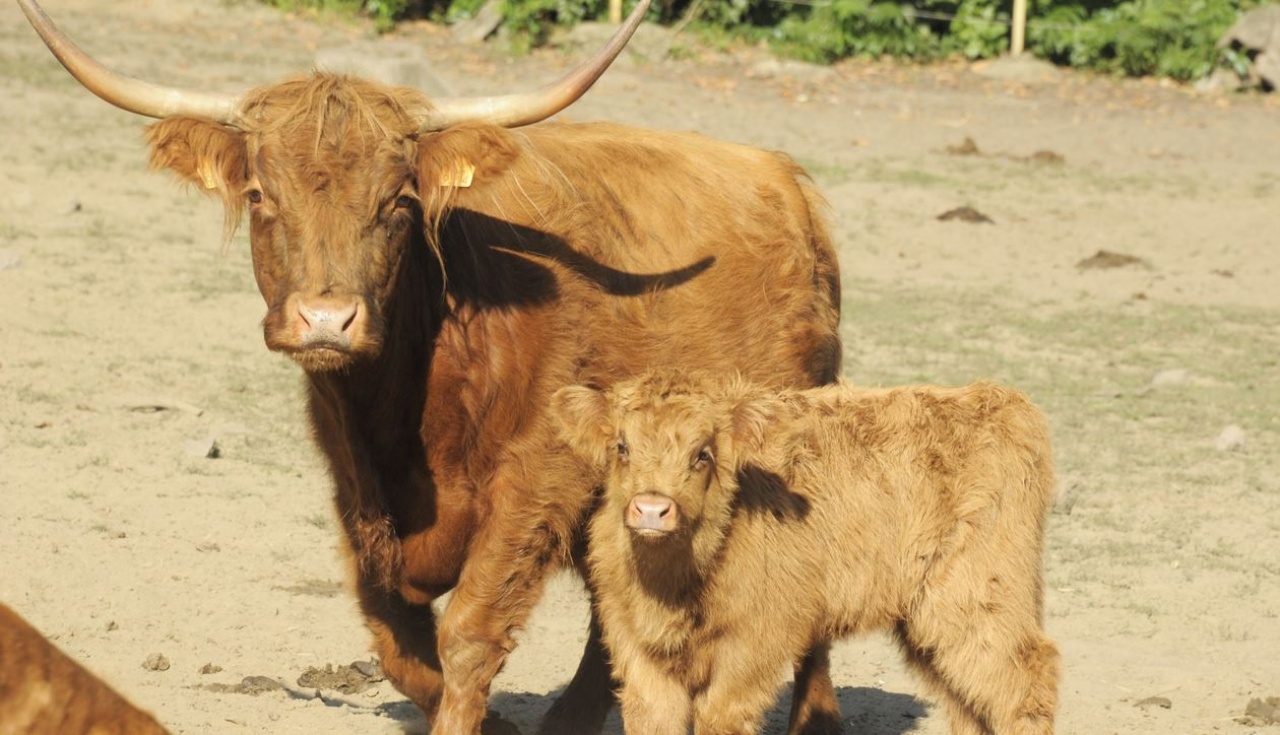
{"points": [[1136, 37], [1173, 38]]}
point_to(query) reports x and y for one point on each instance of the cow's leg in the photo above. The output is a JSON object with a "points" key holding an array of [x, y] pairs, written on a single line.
{"points": [[586, 702], [404, 636], [814, 708], [528, 534]]}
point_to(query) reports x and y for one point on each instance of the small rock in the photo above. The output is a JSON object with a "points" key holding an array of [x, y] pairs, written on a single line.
{"points": [[1172, 376], [371, 670], [73, 206], [9, 260], [1231, 439], [210, 669], [112, 626], [206, 448], [156, 662], [1219, 81], [479, 26], [1066, 500], [1162, 702]]}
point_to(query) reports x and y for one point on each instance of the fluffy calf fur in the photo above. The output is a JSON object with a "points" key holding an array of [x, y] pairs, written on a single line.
{"points": [[42, 692], [740, 525]]}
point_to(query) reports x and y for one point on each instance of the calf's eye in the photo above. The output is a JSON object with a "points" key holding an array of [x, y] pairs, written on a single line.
{"points": [[254, 196], [404, 201], [704, 457]]}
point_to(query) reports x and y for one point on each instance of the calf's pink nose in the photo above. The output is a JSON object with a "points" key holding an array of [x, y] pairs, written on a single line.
{"points": [[653, 513]]}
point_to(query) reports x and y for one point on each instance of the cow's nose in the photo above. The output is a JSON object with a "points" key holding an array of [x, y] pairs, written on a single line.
{"points": [[327, 322], [652, 513]]}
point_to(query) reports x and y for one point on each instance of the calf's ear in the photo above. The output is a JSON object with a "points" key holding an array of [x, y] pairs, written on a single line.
{"points": [[210, 156], [581, 415], [752, 422]]}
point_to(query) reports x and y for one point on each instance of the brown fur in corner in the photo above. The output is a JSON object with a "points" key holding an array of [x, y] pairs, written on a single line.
{"points": [[43, 692]]}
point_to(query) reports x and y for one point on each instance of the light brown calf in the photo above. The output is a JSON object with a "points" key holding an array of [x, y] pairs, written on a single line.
{"points": [[740, 525], [43, 692]]}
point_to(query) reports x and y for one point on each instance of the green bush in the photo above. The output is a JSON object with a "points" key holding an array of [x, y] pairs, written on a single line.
{"points": [[1172, 38]]}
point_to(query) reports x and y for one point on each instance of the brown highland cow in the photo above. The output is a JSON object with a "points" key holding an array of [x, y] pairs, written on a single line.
{"points": [[43, 692], [438, 267], [741, 525]]}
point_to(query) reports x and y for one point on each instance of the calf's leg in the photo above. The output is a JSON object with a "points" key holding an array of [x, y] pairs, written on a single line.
{"points": [[652, 703], [814, 708], [1000, 677]]}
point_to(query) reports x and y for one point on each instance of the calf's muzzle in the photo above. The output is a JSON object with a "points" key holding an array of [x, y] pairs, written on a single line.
{"points": [[652, 514]]}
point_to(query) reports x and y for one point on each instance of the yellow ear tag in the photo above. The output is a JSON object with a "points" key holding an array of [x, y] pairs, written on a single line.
{"points": [[206, 173], [459, 174]]}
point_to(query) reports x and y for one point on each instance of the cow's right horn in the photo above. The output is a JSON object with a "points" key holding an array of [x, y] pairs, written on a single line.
{"points": [[514, 110], [125, 92]]}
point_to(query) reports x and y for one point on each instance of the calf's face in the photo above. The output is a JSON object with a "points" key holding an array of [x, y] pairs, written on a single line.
{"points": [[670, 455]]}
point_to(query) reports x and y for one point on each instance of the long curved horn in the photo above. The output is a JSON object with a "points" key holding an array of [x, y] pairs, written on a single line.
{"points": [[125, 92], [514, 110]]}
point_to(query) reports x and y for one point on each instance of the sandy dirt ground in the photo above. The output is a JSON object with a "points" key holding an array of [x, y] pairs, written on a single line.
{"points": [[1128, 279]]}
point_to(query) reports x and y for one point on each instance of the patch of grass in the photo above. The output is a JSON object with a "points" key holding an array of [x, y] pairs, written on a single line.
{"points": [[882, 171], [826, 174]]}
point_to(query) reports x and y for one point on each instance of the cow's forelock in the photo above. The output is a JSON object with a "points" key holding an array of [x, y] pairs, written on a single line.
{"points": [[336, 209]]}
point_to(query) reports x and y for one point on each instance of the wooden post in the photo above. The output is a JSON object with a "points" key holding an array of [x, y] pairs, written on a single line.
{"points": [[1019, 39], [615, 11]]}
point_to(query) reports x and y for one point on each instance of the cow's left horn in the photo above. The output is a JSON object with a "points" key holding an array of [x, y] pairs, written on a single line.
{"points": [[526, 108], [125, 92]]}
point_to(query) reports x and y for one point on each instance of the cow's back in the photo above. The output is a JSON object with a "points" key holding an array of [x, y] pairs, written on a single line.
{"points": [[679, 250]]}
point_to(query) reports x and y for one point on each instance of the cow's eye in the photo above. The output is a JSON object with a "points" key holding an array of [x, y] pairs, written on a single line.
{"points": [[254, 196], [704, 457], [404, 201]]}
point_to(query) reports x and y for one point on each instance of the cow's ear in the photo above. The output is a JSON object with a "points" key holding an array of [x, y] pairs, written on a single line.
{"points": [[462, 160], [581, 415], [212, 157]]}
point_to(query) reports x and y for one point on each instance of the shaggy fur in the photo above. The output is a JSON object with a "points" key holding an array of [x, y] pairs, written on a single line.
{"points": [[801, 516], [575, 254], [43, 692]]}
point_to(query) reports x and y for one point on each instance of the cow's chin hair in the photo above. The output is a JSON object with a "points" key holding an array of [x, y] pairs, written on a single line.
{"points": [[323, 359]]}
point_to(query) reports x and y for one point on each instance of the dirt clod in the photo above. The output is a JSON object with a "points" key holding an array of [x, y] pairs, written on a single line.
{"points": [[1149, 702], [1261, 712], [966, 214], [346, 679], [156, 662], [1104, 259]]}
